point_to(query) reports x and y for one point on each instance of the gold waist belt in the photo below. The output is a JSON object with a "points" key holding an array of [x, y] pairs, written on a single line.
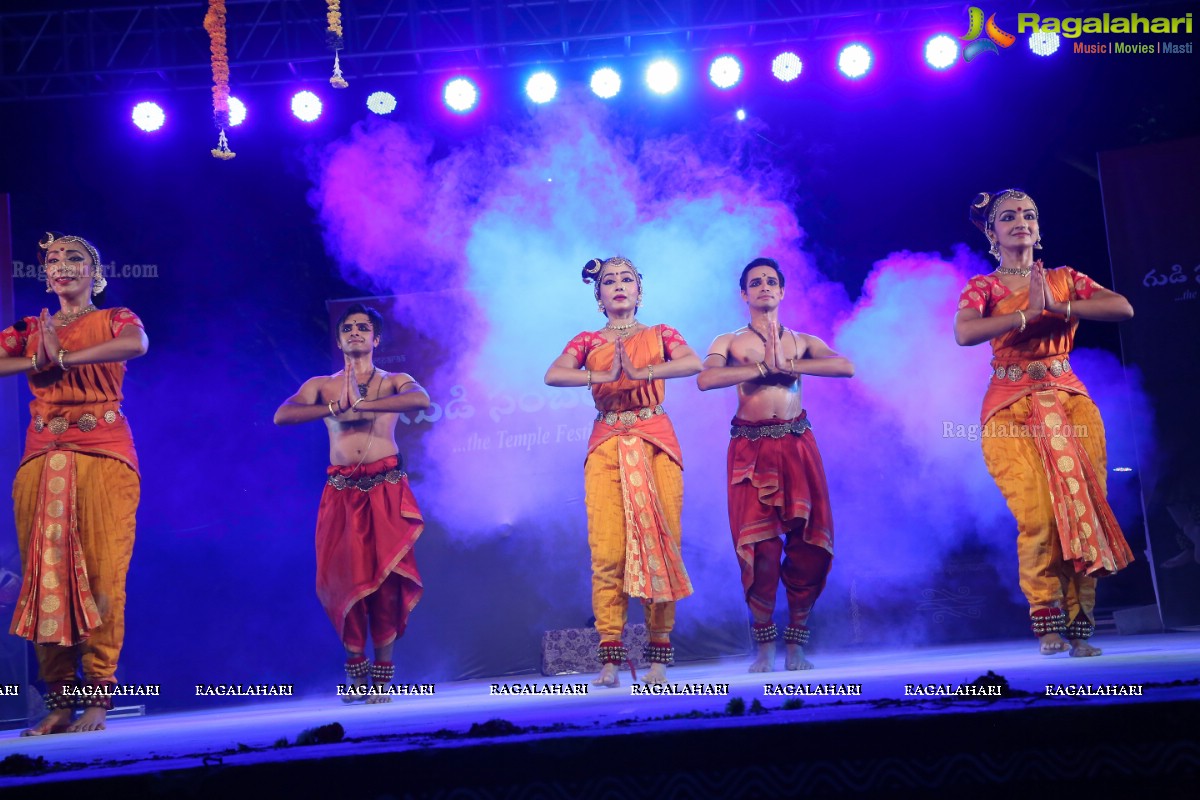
{"points": [[629, 417], [1037, 370], [340, 482], [86, 422], [777, 431]]}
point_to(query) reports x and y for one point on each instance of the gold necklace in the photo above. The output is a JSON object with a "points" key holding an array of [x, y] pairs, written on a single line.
{"points": [[67, 317], [620, 329], [1019, 271]]}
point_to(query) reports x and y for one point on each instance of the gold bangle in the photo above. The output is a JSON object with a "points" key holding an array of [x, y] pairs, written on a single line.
{"points": [[61, 364], [1068, 308], [649, 372], [356, 402], [332, 413], [1023, 320], [589, 384], [33, 358], [762, 368]]}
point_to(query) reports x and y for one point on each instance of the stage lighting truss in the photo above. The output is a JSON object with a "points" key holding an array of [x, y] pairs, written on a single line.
{"points": [[725, 72]]}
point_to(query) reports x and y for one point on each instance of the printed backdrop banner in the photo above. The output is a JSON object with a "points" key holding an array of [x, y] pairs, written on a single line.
{"points": [[1151, 205]]}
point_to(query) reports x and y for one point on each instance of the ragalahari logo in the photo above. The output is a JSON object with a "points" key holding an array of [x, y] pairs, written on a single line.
{"points": [[995, 36]]}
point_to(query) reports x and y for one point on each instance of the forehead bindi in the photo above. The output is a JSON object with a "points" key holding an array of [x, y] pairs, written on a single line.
{"points": [[762, 274]]}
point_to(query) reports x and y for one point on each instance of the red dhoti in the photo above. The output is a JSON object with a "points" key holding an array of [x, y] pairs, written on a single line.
{"points": [[777, 489], [366, 572]]}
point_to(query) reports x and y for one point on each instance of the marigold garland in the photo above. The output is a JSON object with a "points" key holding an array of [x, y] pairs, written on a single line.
{"points": [[333, 33], [214, 23]]}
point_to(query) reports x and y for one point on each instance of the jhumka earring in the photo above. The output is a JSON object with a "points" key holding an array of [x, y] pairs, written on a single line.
{"points": [[600, 306], [1038, 244], [995, 249]]}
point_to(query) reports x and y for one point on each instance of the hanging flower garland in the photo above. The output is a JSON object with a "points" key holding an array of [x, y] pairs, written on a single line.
{"points": [[214, 23], [333, 33]]}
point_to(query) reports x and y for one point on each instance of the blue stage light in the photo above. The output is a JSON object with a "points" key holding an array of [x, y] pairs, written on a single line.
{"points": [[662, 77], [461, 95], [854, 61], [941, 51], [148, 116], [541, 87], [787, 67], [606, 83], [306, 106], [381, 103], [725, 72]]}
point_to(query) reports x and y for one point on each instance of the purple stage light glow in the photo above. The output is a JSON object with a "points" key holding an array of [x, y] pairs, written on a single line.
{"points": [[606, 83], [460, 95], [148, 116], [786, 67], [941, 51], [306, 106], [237, 112], [725, 72], [1044, 43], [541, 87], [381, 103], [662, 77], [854, 61]]}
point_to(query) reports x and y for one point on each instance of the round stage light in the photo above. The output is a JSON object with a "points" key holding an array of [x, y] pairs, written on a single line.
{"points": [[854, 61], [460, 95], [1044, 43], [741, 115], [786, 67], [662, 77], [381, 103], [941, 51], [725, 72], [148, 116], [541, 87], [306, 106], [237, 112], [606, 83]]}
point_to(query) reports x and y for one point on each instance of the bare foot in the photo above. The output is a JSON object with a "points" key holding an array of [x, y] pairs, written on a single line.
{"points": [[92, 719], [794, 658], [56, 721], [1052, 643], [656, 674], [1081, 649], [356, 690], [608, 676], [764, 660]]}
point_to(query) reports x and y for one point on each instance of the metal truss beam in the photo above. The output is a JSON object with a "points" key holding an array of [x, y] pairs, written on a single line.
{"points": [[112, 47]]}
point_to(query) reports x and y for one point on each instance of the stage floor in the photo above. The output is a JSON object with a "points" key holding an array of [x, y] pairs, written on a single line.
{"points": [[1162, 667]]}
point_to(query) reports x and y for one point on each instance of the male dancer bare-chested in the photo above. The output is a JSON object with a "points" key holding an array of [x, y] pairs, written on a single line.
{"points": [[778, 498], [368, 520]]}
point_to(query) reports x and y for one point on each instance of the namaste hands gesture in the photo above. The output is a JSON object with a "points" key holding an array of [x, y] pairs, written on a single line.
{"points": [[773, 357], [1040, 297], [49, 344]]}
